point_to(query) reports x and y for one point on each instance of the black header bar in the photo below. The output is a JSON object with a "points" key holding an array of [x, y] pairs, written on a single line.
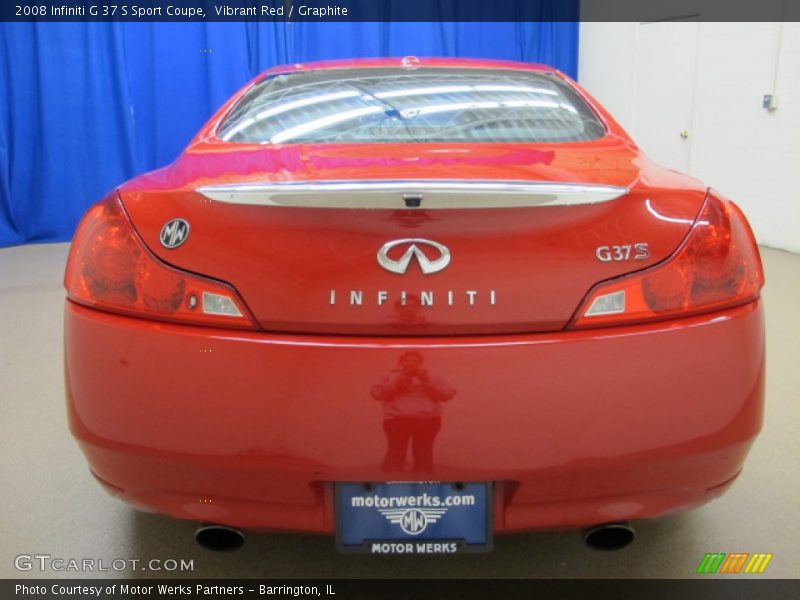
{"points": [[398, 10], [699, 588]]}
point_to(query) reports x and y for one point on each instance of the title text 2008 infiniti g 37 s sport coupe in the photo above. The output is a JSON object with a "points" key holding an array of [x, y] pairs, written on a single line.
{"points": [[414, 303]]}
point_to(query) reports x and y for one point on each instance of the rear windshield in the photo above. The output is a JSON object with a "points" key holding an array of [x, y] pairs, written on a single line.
{"points": [[396, 105]]}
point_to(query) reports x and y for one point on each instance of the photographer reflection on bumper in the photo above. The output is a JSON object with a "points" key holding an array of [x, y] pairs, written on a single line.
{"points": [[412, 412]]}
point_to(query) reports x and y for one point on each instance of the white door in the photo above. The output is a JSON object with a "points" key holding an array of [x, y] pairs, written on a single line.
{"points": [[663, 94]]}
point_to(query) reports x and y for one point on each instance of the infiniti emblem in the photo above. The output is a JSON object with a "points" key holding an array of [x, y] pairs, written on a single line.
{"points": [[174, 233], [431, 256]]}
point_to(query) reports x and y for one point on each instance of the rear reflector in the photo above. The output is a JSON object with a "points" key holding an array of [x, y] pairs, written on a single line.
{"points": [[717, 266], [217, 304], [607, 304], [110, 268]]}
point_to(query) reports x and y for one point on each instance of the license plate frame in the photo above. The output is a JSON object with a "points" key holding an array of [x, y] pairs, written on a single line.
{"points": [[378, 526]]}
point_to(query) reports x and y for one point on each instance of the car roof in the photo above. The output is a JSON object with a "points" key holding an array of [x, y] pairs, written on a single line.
{"points": [[411, 62]]}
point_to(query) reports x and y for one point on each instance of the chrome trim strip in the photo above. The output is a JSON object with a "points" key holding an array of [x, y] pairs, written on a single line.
{"points": [[394, 194]]}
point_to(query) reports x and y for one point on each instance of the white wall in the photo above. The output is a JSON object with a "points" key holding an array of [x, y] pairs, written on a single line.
{"points": [[746, 152]]}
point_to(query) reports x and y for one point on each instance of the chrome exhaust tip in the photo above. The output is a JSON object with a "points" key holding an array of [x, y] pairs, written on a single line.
{"points": [[609, 536], [218, 538]]}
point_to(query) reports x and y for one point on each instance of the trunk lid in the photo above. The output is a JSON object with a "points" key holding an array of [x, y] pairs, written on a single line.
{"points": [[319, 254]]}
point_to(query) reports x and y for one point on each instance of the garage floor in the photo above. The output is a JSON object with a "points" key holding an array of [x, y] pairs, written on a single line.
{"points": [[51, 505]]}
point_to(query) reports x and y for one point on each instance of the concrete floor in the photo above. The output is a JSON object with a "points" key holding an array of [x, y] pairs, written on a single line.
{"points": [[51, 504]]}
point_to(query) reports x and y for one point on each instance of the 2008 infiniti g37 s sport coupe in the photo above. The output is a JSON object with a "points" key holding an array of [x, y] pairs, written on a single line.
{"points": [[414, 303]]}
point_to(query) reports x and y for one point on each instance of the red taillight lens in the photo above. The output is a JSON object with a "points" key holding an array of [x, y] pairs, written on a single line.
{"points": [[717, 266], [110, 268]]}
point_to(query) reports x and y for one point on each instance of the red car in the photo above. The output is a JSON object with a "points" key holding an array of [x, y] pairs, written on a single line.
{"points": [[414, 303]]}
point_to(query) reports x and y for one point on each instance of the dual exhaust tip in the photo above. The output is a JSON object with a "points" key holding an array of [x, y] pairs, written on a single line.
{"points": [[218, 538], [609, 536]]}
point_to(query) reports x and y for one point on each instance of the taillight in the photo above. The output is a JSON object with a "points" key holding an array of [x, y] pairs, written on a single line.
{"points": [[110, 268], [717, 266]]}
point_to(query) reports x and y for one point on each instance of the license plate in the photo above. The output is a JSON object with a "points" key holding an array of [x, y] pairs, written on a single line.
{"points": [[413, 518]]}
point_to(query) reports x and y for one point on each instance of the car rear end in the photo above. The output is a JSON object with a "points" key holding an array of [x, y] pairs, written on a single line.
{"points": [[557, 334]]}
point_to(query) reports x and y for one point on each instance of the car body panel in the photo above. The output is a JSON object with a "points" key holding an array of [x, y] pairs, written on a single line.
{"points": [[595, 425], [527, 268]]}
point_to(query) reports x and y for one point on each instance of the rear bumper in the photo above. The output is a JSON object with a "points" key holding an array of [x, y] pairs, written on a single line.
{"points": [[574, 428]]}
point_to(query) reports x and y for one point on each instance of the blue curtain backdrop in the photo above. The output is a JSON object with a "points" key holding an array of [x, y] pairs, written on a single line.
{"points": [[86, 106]]}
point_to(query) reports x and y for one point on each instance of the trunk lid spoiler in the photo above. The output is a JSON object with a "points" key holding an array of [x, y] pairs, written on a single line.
{"points": [[431, 194]]}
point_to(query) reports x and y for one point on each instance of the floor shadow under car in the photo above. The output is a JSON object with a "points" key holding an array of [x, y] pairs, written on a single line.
{"points": [[528, 555]]}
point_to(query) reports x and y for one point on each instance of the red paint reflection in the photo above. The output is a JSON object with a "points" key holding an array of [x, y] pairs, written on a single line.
{"points": [[412, 412]]}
